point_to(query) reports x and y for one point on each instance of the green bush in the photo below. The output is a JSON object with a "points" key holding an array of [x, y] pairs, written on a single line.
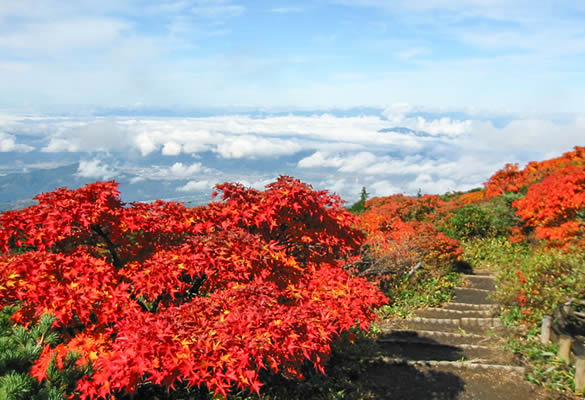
{"points": [[486, 220], [503, 215], [469, 222], [20, 347], [426, 288]]}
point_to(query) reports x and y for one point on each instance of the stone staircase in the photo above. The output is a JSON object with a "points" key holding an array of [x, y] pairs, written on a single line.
{"points": [[452, 352]]}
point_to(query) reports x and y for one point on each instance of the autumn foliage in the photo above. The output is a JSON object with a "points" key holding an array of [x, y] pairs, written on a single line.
{"points": [[512, 179], [400, 234], [160, 294], [555, 207], [554, 204]]}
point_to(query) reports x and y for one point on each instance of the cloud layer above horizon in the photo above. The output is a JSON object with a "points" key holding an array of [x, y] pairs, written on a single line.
{"points": [[397, 150]]}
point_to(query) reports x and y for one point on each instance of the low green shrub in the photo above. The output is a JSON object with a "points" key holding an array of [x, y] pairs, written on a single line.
{"points": [[543, 366], [19, 348], [483, 220], [426, 288], [469, 222]]}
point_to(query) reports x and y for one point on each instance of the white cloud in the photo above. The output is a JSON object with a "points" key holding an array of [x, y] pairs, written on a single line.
{"points": [[180, 171], [253, 146], [349, 189], [321, 159], [102, 135], [358, 162], [257, 183], [57, 145], [95, 169], [171, 149], [529, 135], [195, 186], [383, 188], [396, 112], [145, 144], [426, 183], [443, 126], [63, 35], [341, 154], [177, 171], [344, 163], [8, 144]]}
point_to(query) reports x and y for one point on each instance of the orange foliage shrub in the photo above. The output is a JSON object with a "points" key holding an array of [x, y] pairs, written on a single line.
{"points": [[508, 179], [555, 207], [511, 179], [470, 198], [399, 235]]}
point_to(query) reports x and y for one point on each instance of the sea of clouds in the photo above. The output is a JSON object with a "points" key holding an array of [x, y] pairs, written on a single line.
{"points": [[438, 152]]}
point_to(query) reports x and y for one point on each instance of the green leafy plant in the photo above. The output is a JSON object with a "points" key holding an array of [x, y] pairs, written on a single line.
{"points": [[426, 288], [20, 347]]}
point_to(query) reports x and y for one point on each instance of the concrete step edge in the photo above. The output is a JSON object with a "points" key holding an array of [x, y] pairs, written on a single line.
{"points": [[488, 322], [426, 342], [422, 332], [492, 277], [438, 321], [471, 364], [456, 321], [459, 312], [474, 290], [481, 272], [474, 306]]}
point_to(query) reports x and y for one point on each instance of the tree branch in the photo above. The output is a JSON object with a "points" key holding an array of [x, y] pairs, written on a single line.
{"points": [[111, 247]]}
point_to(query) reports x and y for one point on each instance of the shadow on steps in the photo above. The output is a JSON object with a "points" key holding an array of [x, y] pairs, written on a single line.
{"points": [[408, 382]]}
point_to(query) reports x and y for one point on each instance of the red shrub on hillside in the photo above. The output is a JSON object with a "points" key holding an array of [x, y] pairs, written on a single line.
{"points": [[511, 179], [555, 207], [398, 237], [158, 293]]}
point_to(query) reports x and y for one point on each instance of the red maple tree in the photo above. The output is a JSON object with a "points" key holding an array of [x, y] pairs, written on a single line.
{"points": [[159, 293]]}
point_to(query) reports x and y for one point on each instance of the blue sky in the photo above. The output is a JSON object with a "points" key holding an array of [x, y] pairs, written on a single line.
{"points": [[184, 94], [488, 54]]}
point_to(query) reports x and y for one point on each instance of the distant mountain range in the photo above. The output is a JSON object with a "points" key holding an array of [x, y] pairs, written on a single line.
{"points": [[18, 189]]}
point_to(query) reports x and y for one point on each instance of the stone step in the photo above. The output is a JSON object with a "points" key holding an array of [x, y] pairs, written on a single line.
{"points": [[473, 296], [469, 306], [480, 282], [476, 290], [423, 351], [462, 322], [422, 341], [449, 364], [460, 325], [481, 272], [449, 338], [434, 312]]}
